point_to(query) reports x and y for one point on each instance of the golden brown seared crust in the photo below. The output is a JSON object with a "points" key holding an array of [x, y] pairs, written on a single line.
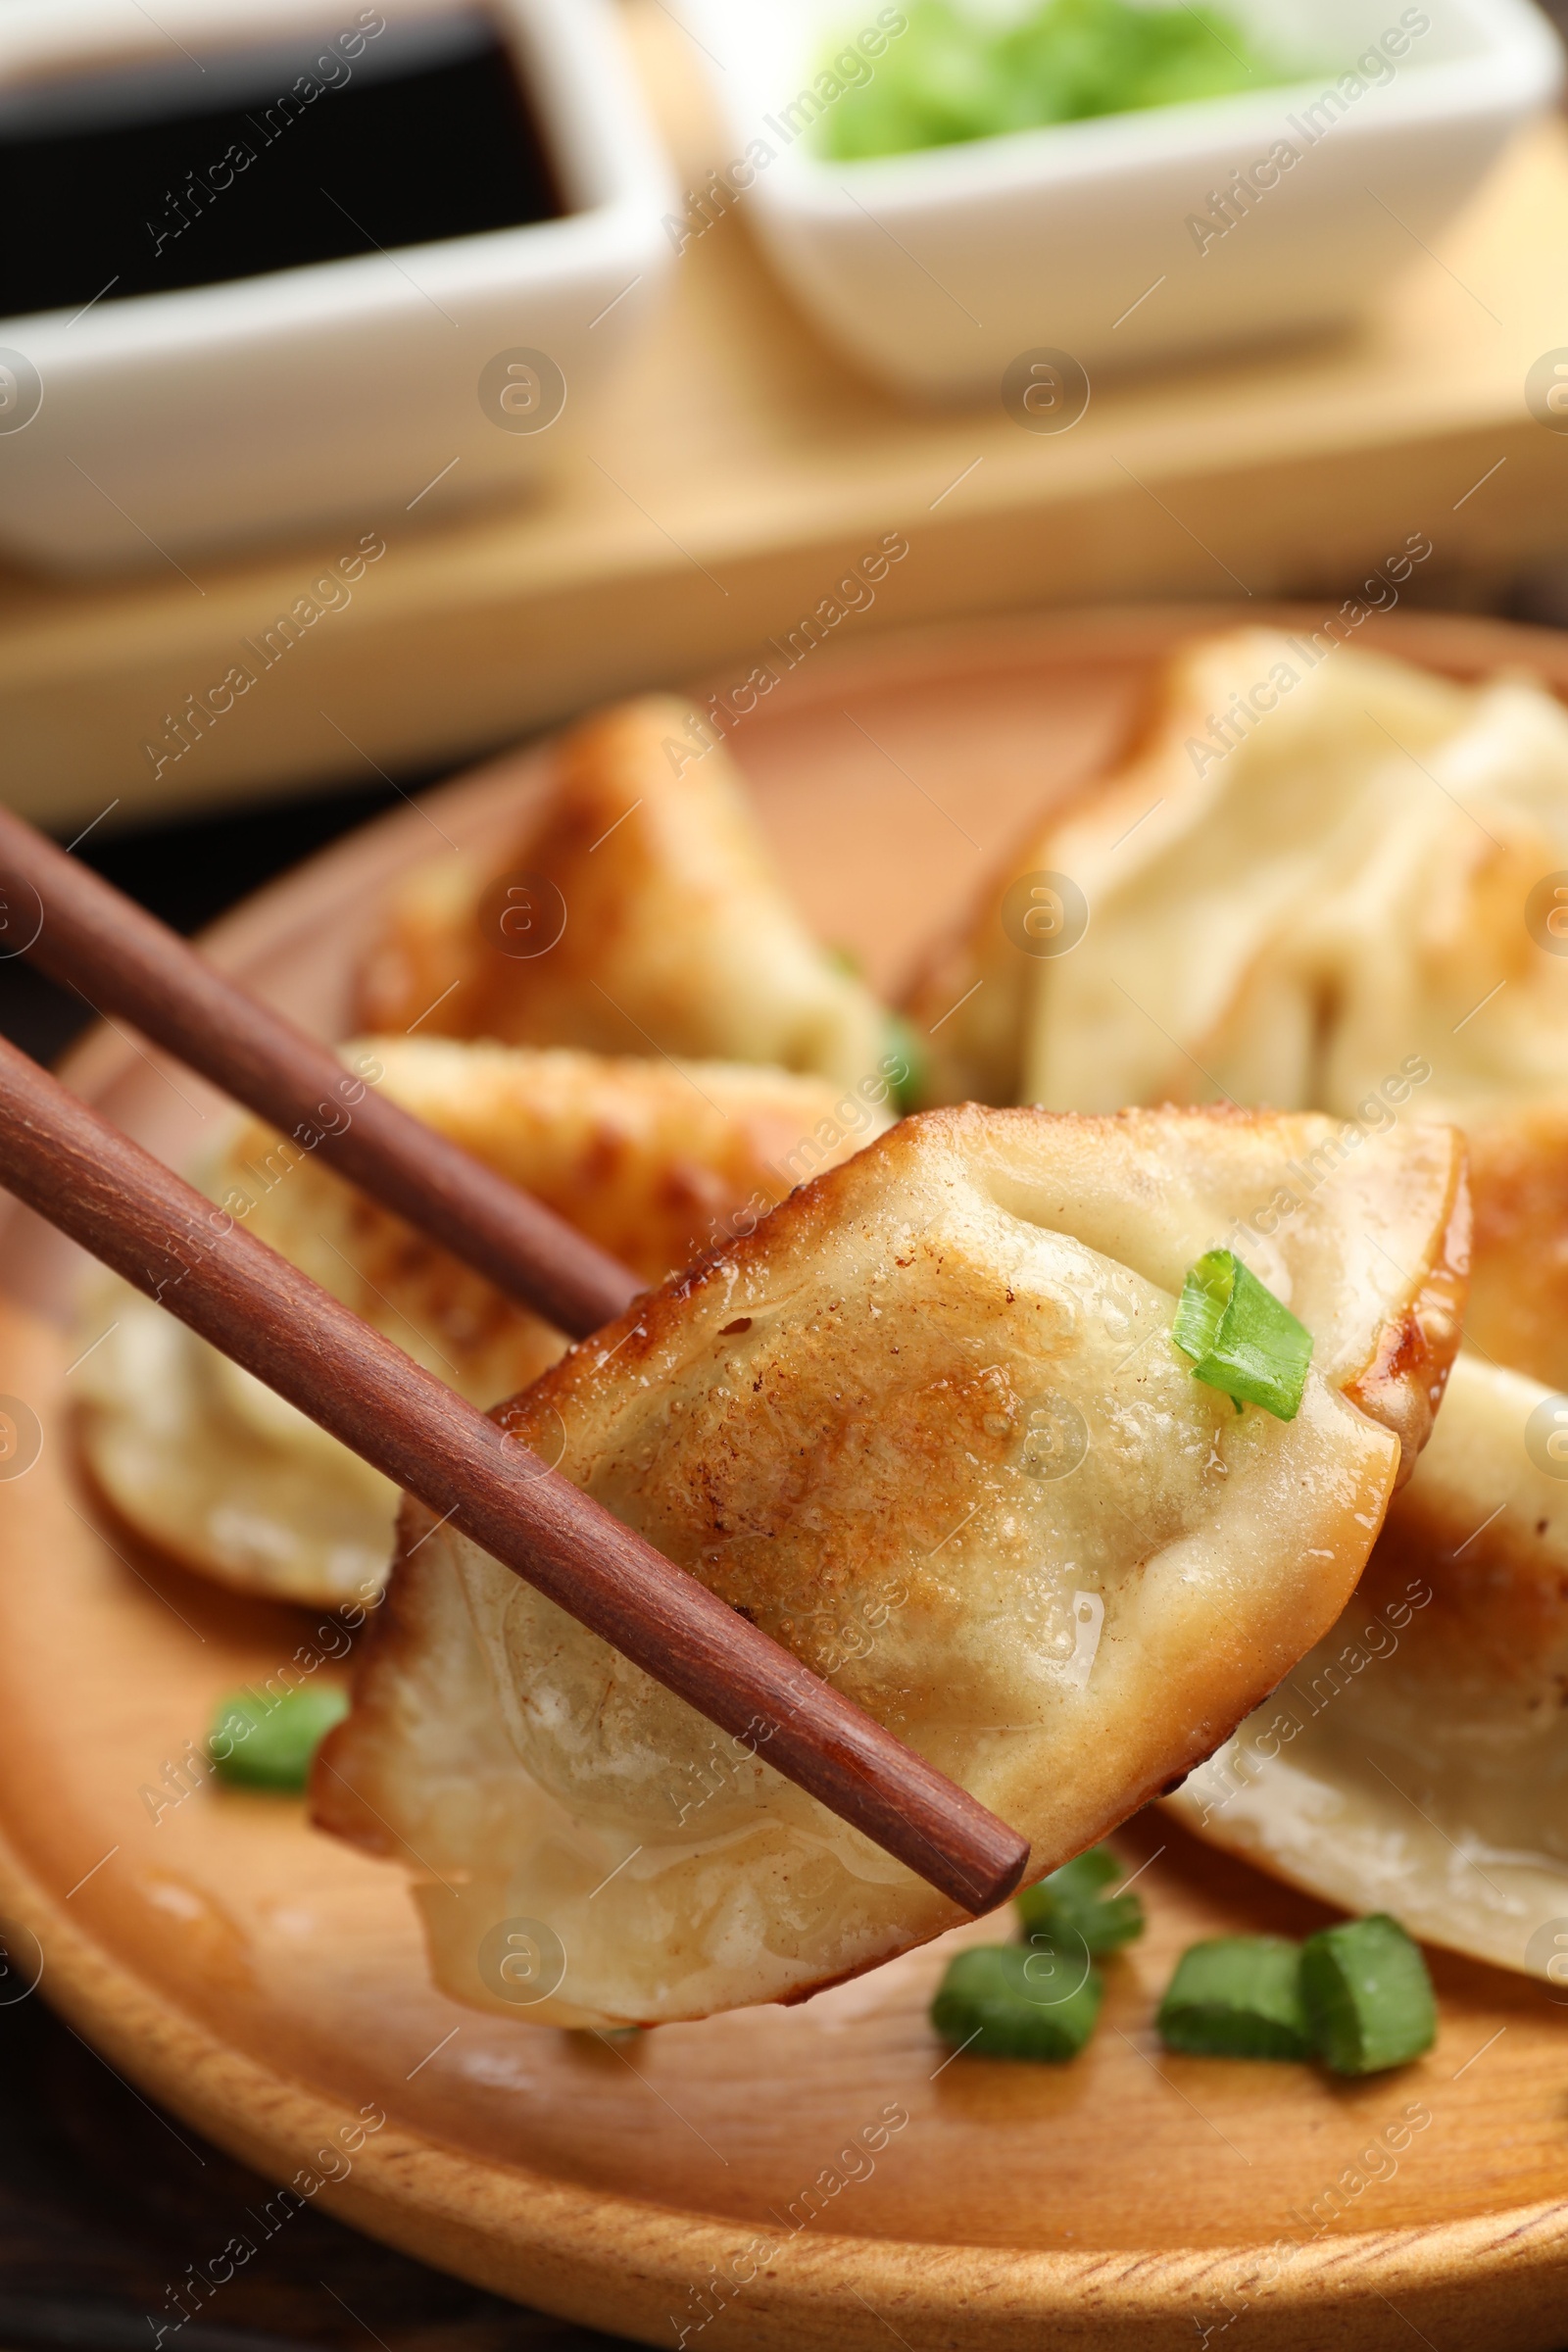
{"points": [[429, 946], [1403, 1385], [652, 1161], [678, 935], [647, 1159]]}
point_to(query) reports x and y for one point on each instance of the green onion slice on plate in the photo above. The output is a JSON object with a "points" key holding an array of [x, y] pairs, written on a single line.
{"points": [[1243, 1340], [1239, 1996], [1072, 1902], [1002, 2000], [262, 1743], [903, 1048], [1368, 1996]]}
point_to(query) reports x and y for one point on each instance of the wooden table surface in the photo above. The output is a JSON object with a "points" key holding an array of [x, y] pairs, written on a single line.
{"points": [[739, 465], [105, 2200]]}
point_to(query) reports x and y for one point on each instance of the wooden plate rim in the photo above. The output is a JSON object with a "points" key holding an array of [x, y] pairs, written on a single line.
{"points": [[416, 2193], [527, 2232]]}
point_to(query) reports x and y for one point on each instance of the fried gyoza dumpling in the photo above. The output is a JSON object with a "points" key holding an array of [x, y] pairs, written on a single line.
{"points": [[675, 934], [1415, 1761], [653, 1160], [926, 1426], [1340, 898]]}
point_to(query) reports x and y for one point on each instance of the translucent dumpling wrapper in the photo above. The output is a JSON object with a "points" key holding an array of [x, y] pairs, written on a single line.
{"points": [[927, 1427], [655, 1160], [1320, 873], [640, 912], [1417, 1761]]}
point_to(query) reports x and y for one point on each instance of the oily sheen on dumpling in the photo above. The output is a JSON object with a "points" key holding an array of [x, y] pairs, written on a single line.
{"points": [[926, 1427], [653, 1160], [676, 935]]}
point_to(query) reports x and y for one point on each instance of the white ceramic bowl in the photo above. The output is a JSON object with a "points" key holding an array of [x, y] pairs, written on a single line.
{"points": [[936, 269], [174, 423]]}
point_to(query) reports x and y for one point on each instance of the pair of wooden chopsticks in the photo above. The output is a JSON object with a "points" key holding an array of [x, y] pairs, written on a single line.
{"points": [[92, 1182]]}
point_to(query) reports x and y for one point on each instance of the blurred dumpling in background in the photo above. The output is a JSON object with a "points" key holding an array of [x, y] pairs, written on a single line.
{"points": [[926, 1426], [1417, 1761], [671, 930], [1315, 868], [655, 1160], [1324, 879], [1518, 1314]]}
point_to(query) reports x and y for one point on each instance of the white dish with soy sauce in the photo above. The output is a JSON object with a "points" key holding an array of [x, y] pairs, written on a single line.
{"points": [[267, 269]]}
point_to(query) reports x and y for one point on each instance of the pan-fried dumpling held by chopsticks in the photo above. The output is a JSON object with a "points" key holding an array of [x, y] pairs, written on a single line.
{"points": [[675, 933], [654, 1162], [1415, 1760], [1312, 875], [928, 1428]]}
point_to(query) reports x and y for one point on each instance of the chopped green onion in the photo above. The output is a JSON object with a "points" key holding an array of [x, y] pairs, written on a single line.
{"points": [[999, 2000], [1239, 1996], [1368, 1996], [1200, 1308], [271, 1743], [956, 72], [1244, 1340], [1072, 1902], [1357, 1996], [902, 1044]]}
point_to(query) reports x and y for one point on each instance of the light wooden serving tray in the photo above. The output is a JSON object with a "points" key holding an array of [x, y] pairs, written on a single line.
{"points": [[269, 1986], [738, 467]]}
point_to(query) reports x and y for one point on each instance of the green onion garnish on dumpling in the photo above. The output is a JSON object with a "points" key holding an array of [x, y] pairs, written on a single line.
{"points": [[1244, 1341]]}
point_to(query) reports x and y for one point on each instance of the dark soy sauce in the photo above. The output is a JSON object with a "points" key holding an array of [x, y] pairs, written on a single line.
{"points": [[183, 171]]}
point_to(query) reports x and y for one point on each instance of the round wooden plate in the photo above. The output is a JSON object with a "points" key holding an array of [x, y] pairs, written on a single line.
{"points": [[811, 2177]]}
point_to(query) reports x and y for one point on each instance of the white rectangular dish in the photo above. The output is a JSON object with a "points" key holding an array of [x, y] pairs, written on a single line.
{"points": [[165, 423], [1218, 221]]}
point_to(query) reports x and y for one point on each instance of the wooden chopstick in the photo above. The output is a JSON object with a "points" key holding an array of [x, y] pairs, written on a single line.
{"points": [[80, 930], [128, 1210]]}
